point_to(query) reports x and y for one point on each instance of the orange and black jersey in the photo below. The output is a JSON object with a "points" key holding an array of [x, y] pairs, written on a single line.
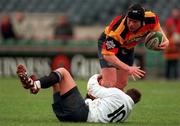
{"points": [[117, 35]]}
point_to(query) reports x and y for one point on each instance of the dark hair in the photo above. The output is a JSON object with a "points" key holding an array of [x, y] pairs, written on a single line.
{"points": [[136, 12], [134, 94]]}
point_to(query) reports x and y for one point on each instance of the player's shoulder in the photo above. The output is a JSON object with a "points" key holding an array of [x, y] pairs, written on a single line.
{"points": [[149, 13], [117, 92], [150, 17], [115, 22], [93, 78], [118, 18]]}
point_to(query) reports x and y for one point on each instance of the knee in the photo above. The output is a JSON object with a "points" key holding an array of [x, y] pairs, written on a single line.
{"points": [[62, 70], [108, 83], [122, 84]]}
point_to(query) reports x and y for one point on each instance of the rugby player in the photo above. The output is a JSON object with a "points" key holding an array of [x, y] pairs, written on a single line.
{"points": [[110, 105], [116, 45]]}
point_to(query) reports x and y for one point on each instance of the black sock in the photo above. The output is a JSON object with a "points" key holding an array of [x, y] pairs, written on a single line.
{"points": [[51, 79]]}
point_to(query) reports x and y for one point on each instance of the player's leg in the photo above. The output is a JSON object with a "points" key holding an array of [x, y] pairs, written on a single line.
{"points": [[108, 71], [67, 82], [122, 79], [114, 78], [56, 88], [60, 79], [68, 105], [167, 74], [126, 56], [60, 76], [109, 77], [176, 69]]}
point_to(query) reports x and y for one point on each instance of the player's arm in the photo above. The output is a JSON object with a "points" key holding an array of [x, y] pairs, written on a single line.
{"points": [[156, 27], [165, 43], [109, 51], [110, 48], [135, 71], [95, 90]]}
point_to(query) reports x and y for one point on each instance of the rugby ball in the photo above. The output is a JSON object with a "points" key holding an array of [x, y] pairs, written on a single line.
{"points": [[153, 40]]}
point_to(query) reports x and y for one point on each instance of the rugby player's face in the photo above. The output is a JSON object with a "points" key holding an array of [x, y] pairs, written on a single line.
{"points": [[133, 25]]}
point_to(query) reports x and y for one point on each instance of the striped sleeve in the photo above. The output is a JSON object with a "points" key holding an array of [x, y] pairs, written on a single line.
{"points": [[152, 21]]}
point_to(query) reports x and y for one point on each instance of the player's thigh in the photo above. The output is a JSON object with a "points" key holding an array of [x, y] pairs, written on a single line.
{"points": [[56, 88], [122, 77], [67, 82], [109, 76]]}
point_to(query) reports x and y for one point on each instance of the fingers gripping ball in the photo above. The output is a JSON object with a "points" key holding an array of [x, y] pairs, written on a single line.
{"points": [[153, 40]]}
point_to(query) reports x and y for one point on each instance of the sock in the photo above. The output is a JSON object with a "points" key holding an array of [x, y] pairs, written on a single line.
{"points": [[51, 79]]}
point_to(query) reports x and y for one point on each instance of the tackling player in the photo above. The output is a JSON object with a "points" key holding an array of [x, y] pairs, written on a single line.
{"points": [[116, 45], [110, 105]]}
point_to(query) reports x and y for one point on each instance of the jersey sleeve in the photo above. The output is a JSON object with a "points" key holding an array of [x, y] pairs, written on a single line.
{"points": [[97, 90], [157, 24], [110, 46], [152, 21], [114, 23], [113, 39]]}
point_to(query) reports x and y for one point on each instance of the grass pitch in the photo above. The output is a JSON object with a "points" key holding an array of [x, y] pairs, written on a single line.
{"points": [[159, 106]]}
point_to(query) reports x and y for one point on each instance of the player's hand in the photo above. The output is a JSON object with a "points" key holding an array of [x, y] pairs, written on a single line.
{"points": [[136, 72], [162, 46]]}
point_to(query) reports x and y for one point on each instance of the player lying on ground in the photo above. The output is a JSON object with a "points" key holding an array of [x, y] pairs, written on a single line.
{"points": [[110, 105]]}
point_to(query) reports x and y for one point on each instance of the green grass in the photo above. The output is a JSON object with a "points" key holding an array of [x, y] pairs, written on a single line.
{"points": [[159, 106]]}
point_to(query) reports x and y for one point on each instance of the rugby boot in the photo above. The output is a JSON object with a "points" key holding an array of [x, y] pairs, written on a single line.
{"points": [[27, 82]]}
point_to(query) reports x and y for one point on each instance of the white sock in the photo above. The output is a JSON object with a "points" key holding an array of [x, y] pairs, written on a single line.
{"points": [[38, 84]]}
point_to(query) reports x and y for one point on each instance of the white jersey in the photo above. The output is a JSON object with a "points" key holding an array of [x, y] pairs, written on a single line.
{"points": [[110, 105]]}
